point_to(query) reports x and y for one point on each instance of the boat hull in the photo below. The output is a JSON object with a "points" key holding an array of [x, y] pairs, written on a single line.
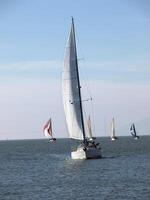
{"points": [[136, 137], [88, 153], [114, 138]]}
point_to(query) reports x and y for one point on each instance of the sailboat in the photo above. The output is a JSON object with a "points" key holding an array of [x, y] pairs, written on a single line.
{"points": [[71, 91], [47, 130], [133, 132], [89, 131], [113, 134]]}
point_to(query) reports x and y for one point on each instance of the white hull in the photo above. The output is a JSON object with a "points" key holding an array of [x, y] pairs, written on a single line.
{"points": [[136, 138], [113, 138], [89, 153]]}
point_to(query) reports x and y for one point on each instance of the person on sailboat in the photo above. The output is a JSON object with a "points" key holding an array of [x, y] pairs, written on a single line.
{"points": [[92, 144]]}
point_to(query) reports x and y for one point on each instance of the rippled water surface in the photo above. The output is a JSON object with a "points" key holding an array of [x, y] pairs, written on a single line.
{"points": [[37, 169]]}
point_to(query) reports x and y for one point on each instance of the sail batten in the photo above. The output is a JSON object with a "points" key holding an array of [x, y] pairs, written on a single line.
{"points": [[71, 90]]}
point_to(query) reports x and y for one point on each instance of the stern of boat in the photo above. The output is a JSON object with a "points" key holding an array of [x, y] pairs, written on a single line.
{"points": [[88, 153]]}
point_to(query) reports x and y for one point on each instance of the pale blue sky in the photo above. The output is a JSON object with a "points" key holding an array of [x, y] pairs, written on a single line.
{"points": [[107, 31], [113, 38]]}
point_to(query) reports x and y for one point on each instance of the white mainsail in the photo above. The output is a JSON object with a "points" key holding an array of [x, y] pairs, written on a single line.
{"points": [[113, 128], [89, 129], [71, 89]]}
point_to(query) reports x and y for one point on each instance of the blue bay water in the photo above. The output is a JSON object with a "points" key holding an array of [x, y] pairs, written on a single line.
{"points": [[37, 169]]}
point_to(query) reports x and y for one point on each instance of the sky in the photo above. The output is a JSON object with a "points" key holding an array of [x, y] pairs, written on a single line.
{"points": [[113, 47]]}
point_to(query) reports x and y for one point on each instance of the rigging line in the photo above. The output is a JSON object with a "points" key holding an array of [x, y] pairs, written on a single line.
{"points": [[85, 120], [85, 115], [86, 80], [90, 95], [84, 75], [93, 117]]}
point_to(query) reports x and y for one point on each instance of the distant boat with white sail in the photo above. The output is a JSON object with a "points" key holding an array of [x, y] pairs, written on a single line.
{"points": [[89, 130], [71, 91], [133, 132], [113, 131], [47, 130]]}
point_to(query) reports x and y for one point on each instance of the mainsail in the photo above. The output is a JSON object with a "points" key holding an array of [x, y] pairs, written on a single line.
{"points": [[133, 131], [71, 90], [113, 128], [89, 129]]}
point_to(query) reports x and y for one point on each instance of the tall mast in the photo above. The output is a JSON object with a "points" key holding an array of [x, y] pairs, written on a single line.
{"points": [[78, 79], [113, 127]]}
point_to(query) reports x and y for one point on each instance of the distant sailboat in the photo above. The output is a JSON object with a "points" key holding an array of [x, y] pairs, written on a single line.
{"points": [[71, 91], [47, 130], [89, 131], [113, 133], [133, 132]]}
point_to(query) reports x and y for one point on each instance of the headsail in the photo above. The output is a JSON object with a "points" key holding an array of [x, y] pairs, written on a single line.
{"points": [[71, 90], [47, 130]]}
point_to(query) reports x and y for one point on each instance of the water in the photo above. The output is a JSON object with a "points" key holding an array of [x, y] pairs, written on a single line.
{"points": [[36, 169]]}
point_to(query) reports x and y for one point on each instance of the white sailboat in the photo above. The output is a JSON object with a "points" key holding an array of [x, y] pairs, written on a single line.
{"points": [[47, 130], [71, 91], [89, 131], [113, 132], [133, 132]]}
